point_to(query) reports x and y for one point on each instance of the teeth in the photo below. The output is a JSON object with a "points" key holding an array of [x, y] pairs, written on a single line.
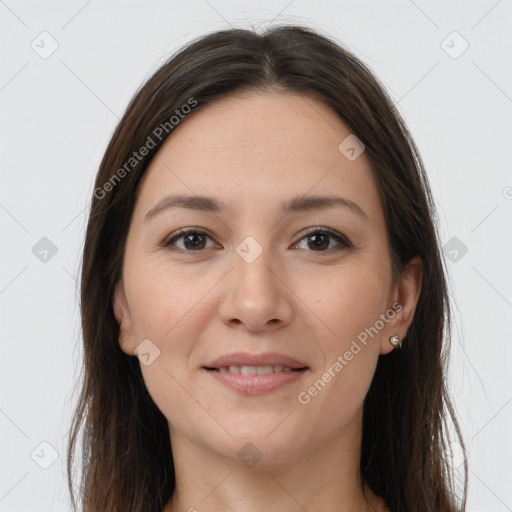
{"points": [[255, 370], [263, 370]]}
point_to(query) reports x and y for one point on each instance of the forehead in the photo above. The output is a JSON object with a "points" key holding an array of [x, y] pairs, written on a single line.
{"points": [[259, 149]]}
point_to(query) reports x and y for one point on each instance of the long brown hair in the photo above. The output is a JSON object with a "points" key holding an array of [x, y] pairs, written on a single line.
{"points": [[126, 456]]}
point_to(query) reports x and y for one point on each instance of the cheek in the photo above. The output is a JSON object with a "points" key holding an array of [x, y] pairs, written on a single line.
{"points": [[168, 308], [172, 309], [355, 299], [353, 303], [162, 301]]}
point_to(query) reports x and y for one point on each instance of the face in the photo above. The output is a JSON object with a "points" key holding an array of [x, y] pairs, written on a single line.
{"points": [[308, 288]]}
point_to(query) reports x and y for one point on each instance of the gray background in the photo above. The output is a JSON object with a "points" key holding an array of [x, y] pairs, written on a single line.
{"points": [[59, 109]]}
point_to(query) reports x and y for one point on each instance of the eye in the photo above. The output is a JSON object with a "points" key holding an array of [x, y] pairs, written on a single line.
{"points": [[318, 239], [194, 240]]}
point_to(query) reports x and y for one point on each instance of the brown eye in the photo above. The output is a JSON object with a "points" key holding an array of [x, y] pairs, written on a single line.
{"points": [[192, 240], [318, 240]]}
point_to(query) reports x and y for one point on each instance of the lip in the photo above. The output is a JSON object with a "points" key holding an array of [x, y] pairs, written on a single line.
{"points": [[256, 384], [251, 385], [247, 359]]}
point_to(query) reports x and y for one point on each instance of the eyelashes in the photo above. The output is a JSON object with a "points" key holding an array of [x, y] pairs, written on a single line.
{"points": [[186, 233], [326, 232], [316, 235]]}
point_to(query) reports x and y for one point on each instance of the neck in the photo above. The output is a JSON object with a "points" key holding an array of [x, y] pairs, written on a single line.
{"points": [[326, 478]]}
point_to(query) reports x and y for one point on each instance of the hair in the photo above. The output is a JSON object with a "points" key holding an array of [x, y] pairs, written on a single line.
{"points": [[127, 461]]}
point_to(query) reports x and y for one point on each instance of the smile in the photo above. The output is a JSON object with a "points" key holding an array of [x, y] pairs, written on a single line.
{"points": [[255, 370], [255, 380]]}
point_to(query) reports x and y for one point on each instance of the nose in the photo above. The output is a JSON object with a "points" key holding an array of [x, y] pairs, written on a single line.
{"points": [[256, 298]]}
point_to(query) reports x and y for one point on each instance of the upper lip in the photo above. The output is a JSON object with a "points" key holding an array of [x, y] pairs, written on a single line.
{"points": [[247, 359]]}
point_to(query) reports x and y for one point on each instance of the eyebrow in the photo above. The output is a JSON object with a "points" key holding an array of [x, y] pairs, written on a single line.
{"points": [[294, 205]]}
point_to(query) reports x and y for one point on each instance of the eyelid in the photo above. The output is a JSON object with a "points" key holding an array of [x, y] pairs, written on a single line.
{"points": [[174, 237], [339, 237], [342, 240]]}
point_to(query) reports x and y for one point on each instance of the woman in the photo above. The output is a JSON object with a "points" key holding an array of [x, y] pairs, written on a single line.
{"points": [[263, 300]]}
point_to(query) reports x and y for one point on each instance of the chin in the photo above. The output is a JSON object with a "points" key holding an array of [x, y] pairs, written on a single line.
{"points": [[269, 442]]}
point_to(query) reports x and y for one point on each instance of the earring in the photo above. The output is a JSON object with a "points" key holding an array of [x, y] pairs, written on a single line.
{"points": [[395, 341]]}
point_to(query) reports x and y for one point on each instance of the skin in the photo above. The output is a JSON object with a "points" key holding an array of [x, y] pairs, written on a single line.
{"points": [[253, 151]]}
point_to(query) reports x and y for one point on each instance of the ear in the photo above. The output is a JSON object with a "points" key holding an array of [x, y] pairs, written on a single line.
{"points": [[406, 293], [123, 317]]}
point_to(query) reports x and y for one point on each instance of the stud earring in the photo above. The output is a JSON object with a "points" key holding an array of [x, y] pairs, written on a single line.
{"points": [[395, 341]]}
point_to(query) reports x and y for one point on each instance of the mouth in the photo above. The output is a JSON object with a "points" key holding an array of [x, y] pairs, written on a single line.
{"points": [[253, 364], [249, 374], [255, 370]]}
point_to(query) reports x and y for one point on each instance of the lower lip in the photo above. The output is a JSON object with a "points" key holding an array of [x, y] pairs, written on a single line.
{"points": [[256, 384]]}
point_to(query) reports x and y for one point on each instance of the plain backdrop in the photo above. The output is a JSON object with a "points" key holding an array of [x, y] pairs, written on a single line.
{"points": [[67, 72]]}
